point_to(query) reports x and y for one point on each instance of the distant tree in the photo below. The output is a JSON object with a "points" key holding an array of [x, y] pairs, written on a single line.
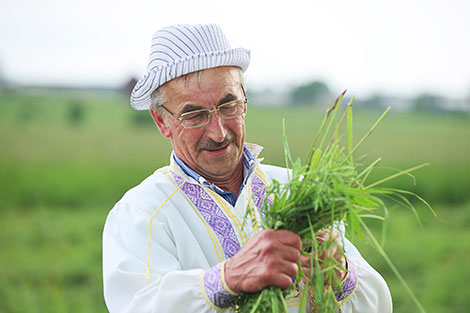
{"points": [[374, 101], [3, 81], [428, 102], [310, 93], [75, 112]]}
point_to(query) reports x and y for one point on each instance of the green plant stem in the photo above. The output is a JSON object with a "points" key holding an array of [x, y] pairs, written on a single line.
{"points": [[392, 266], [369, 132], [397, 175]]}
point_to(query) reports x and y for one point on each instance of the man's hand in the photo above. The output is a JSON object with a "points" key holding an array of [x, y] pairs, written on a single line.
{"points": [[268, 259], [331, 237]]}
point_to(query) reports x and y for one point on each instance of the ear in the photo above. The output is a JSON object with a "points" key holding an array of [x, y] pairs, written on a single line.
{"points": [[164, 129]]}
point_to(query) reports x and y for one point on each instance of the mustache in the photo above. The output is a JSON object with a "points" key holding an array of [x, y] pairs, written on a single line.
{"points": [[214, 145]]}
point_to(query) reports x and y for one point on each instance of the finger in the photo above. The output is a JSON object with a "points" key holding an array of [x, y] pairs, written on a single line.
{"points": [[285, 267], [289, 238], [283, 281], [305, 263], [291, 269], [289, 254], [305, 260], [270, 249], [306, 271], [279, 274], [330, 253], [330, 234]]}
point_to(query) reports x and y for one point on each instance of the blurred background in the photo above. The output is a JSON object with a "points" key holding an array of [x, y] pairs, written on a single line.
{"points": [[70, 145]]}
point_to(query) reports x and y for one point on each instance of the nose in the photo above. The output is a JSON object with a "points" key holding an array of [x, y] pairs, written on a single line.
{"points": [[215, 128]]}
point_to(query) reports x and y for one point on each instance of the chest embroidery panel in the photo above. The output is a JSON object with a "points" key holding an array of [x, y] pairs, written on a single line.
{"points": [[216, 214]]}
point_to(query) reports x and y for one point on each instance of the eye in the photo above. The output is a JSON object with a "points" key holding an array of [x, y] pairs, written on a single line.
{"points": [[195, 115], [228, 107]]}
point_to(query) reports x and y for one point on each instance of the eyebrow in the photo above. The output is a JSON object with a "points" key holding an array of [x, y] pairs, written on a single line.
{"points": [[227, 98], [190, 107]]}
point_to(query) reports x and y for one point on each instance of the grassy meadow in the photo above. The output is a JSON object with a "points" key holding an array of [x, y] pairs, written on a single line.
{"points": [[67, 156]]}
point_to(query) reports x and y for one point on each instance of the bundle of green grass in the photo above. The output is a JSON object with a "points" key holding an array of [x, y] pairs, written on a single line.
{"points": [[326, 190]]}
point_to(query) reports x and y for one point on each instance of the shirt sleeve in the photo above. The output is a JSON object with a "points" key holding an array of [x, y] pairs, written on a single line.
{"points": [[368, 292], [168, 288], [216, 291], [349, 283]]}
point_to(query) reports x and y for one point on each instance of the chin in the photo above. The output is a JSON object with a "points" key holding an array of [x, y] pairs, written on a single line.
{"points": [[221, 170]]}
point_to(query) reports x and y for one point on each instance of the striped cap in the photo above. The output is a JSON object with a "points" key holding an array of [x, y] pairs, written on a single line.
{"points": [[181, 49]]}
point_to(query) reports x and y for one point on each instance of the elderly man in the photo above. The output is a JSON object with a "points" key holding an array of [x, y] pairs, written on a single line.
{"points": [[179, 241]]}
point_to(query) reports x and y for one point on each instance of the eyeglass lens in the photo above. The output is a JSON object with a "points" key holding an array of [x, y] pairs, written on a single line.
{"points": [[226, 111]]}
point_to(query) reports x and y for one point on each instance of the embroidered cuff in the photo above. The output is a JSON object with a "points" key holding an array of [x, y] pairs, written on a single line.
{"points": [[216, 291], [348, 285]]}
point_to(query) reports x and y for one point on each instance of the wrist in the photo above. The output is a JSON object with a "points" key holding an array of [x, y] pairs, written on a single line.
{"points": [[228, 279], [342, 273], [348, 283]]}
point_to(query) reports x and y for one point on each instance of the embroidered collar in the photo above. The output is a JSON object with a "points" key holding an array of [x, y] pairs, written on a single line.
{"points": [[248, 161]]}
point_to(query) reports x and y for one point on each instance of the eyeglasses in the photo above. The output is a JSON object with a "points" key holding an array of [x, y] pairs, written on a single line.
{"points": [[202, 117]]}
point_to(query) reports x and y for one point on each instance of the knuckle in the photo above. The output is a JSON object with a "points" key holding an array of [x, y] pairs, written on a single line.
{"points": [[266, 275], [269, 247], [271, 263], [267, 233]]}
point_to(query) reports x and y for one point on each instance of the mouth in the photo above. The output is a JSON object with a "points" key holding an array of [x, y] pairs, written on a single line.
{"points": [[217, 151]]}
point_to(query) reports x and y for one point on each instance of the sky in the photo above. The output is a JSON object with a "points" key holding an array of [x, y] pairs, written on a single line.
{"points": [[400, 47]]}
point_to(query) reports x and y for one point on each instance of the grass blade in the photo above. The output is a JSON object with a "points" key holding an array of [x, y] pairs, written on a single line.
{"points": [[397, 175], [369, 132]]}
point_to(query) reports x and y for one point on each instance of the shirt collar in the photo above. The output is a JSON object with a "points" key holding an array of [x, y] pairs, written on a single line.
{"points": [[248, 162]]}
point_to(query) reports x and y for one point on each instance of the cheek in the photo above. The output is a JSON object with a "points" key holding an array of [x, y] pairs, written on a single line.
{"points": [[190, 140], [240, 130]]}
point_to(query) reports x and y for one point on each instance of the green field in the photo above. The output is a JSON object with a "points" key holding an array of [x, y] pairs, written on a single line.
{"points": [[66, 157]]}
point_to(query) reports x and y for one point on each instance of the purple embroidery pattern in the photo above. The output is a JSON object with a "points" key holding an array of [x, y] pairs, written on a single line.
{"points": [[212, 214], [214, 288], [259, 192], [349, 285]]}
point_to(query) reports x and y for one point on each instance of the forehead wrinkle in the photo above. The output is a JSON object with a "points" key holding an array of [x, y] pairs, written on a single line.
{"points": [[180, 88]]}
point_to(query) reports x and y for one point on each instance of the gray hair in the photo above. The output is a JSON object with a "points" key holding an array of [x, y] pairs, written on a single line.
{"points": [[157, 100]]}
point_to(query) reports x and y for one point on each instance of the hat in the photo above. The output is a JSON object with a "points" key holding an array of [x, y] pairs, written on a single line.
{"points": [[181, 49]]}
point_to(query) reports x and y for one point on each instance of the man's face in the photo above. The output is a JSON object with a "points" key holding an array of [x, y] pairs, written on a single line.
{"points": [[214, 150]]}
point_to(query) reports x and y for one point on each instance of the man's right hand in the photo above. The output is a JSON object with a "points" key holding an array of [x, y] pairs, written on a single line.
{"points": [[269, 258]]}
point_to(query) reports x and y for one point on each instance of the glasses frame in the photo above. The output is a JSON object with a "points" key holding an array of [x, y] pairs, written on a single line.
{"points": [[180, 118]]}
